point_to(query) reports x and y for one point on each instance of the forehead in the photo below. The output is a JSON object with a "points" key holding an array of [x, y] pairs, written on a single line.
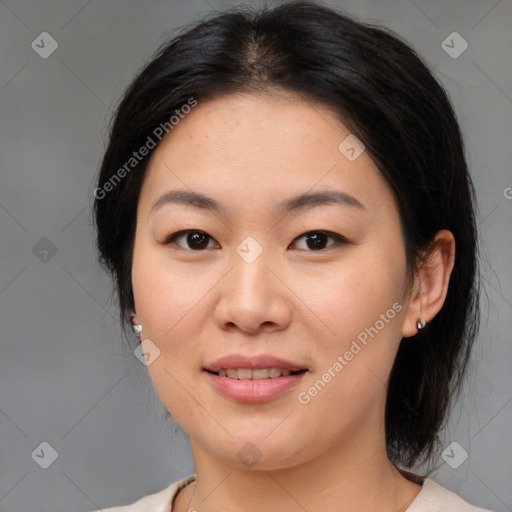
{"points": [[255, 148], [263, 125]]}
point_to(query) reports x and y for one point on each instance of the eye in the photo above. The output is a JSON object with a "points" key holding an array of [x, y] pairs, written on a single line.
{"points": [[316, 240], [196, 240]]}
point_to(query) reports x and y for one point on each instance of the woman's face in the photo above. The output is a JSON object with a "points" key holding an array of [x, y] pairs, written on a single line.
{"points": [[249, 281]]}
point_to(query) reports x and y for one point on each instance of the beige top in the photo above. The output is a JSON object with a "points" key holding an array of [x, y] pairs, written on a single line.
{"points": [[432, 498]]}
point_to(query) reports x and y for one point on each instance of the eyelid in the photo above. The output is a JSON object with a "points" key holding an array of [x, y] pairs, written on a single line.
{"points": [[339, 238]]}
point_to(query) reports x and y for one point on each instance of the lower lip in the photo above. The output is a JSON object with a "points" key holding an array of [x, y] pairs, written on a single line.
{"points": [[251, 390]]}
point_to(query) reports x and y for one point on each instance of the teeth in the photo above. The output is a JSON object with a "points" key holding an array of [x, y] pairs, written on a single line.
{"points": [[244, 373], [256, 374], [260, 374], [232, 374], [274, 372]]}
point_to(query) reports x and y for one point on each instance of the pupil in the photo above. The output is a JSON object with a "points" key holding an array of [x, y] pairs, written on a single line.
{"points": [[197, 240], [318, 240]]}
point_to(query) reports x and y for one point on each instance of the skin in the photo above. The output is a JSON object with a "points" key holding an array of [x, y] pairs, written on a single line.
{"points": [[250, 152]]}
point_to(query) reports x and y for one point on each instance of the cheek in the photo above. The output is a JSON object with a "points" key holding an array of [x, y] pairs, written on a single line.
{"points": [[168, 302], [353, 364], [361, 308], [354, 294], [166, 291]]}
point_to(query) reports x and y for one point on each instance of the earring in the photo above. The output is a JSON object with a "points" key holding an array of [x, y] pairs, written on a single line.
{"points": [[136, 328], [421, 324]]}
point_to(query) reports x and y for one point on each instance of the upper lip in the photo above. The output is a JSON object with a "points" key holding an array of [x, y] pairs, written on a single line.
{"points": [[252, 362]]}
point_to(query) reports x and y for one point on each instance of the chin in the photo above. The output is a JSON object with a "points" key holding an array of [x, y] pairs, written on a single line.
{"points": [[260, 451]]}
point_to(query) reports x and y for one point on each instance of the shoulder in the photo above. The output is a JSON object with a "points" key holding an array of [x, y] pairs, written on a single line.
{"points": [[436, 498], [157, 502]]}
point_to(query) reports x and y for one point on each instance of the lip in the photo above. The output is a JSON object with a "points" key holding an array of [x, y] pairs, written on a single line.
{"points": [[253, 390], [252, 362]]}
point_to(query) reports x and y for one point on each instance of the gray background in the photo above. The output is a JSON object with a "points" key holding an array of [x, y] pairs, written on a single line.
{"points": [[65, 377]]}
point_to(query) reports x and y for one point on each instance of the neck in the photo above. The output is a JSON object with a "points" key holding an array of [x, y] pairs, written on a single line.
{"points": [[355, 474]]}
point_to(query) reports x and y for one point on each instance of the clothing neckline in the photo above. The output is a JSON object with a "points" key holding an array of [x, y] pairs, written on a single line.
{"points": [[412, 477]]}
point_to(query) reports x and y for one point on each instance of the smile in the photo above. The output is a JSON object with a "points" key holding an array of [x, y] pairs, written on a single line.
{"points": [[255, 373]]}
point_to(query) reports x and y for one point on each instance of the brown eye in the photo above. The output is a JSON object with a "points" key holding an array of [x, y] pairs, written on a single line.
{"points": [[195, 240], [317, 240]]}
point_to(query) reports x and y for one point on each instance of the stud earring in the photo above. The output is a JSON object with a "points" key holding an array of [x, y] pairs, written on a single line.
{"points": [[136, 328], [421, 324]]}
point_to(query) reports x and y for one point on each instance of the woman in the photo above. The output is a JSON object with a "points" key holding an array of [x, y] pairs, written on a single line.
{"points": [[286, 210]]}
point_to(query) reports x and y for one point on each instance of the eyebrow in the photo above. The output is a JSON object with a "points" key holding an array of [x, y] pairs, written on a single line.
{"points": [[301, 202]]}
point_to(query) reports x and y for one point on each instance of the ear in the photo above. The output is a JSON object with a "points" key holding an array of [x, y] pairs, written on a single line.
{"points": [[430, 282]]}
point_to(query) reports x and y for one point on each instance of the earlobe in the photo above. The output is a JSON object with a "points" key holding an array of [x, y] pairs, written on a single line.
{"points": [[431, 284]]}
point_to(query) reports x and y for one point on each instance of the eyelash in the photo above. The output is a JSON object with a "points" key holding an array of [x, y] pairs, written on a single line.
{"points": [[339, 239]]}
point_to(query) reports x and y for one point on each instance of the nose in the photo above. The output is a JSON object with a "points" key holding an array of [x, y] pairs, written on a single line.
{"points": [[253, 297]]}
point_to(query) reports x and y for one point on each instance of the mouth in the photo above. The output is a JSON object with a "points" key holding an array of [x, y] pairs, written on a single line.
{"points": [[255, 373], [254, 379]]}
